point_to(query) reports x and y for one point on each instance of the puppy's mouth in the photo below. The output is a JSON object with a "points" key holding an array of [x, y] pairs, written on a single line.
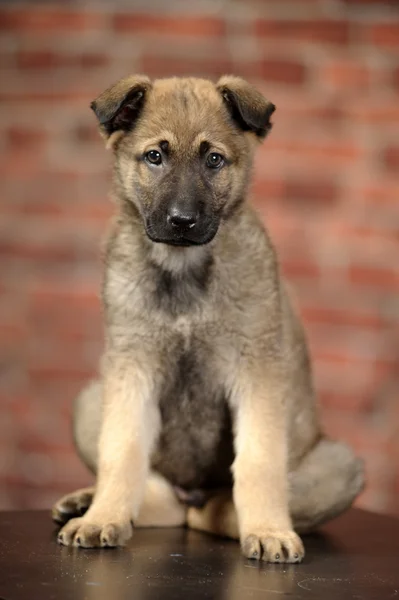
{"points": [[182, 242], [199, 238]]}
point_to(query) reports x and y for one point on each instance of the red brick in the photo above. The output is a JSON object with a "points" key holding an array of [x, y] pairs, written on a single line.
{"points": [[174, 26], [11, 165], [304, 4], [61, 356], [378, 193], [333, 150], [361, 434], [13, 333], [311, 191], [385, 35], [36, 443], [395, 78], [384, 112], [267, 188], [346, 75], [330, 113], [46, 59], [54, 252], [67, 317], [86, 133], [347, 402], [283, 71], [161, 66], [370, 3], [381, 366], [299, 268], [318, 30], [61, 372], [336, 316], [47, 294], [382, 278], [44, 20], [91, 211], [78, 95], [18, 137], [369, 236], [390, 157]]}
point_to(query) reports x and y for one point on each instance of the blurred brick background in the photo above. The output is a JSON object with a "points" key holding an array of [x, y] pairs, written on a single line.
{"points": [[326, 183]]}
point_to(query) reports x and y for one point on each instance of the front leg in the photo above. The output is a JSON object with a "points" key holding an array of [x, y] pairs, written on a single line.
{"points": [[130, 424], [260, 468]]}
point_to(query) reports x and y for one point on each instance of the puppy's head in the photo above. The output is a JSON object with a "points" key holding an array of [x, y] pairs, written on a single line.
{"points": [[183, 150]]}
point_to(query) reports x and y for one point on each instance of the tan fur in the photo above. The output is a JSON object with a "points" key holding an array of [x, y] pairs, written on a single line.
{"points": [[206, 384]]}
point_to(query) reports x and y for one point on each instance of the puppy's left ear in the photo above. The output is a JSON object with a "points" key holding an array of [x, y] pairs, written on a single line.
{"points": [[118, 108], [248, 108]]}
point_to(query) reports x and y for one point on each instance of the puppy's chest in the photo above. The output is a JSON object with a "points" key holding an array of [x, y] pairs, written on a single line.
{"points": [[176, 294], [195, 447]]}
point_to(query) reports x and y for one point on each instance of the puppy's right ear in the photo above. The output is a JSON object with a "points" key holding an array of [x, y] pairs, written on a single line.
{"points": [[118, 108]]}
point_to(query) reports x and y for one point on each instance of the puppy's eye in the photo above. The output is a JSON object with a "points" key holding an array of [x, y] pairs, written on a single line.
{"points": [[214, 160], [153, 157]]}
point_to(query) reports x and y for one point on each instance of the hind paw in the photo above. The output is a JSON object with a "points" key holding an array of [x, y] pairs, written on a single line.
{"points": [[72, 505]]}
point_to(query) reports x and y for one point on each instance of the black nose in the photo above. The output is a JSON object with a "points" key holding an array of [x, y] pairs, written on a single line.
{"points": [[182, 219]]}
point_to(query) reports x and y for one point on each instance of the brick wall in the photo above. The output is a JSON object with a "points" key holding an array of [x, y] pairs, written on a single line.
{"points": [[326, 183]]}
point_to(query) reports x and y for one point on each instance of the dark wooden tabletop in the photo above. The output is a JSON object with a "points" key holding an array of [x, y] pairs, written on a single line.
{"points": [[357, 556]]}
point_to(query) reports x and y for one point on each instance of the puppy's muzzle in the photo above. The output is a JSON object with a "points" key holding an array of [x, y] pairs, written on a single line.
{"points": [[181, 224]]}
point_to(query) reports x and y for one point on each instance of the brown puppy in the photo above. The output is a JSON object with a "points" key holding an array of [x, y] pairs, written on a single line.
{"points": [[205, 392]]}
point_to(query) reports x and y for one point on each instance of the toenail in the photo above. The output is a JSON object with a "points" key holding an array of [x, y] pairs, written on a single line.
{"points": [[296, 555], [277, 556], [78, 540]]}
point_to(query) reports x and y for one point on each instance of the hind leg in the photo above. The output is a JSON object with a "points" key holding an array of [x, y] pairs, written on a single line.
{"points": [[323, 486], [160, 506], [72, 505], [86, 431]]}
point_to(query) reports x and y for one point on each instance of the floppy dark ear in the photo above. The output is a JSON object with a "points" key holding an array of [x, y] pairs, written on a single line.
{"points": [[249, 109], [119, 106]]}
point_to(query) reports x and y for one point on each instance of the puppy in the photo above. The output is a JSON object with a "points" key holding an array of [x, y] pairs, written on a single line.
{"points": [[204, 413]]}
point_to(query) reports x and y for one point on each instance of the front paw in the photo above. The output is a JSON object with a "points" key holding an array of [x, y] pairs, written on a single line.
{"points": [[273, 546], [86, 532]]}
